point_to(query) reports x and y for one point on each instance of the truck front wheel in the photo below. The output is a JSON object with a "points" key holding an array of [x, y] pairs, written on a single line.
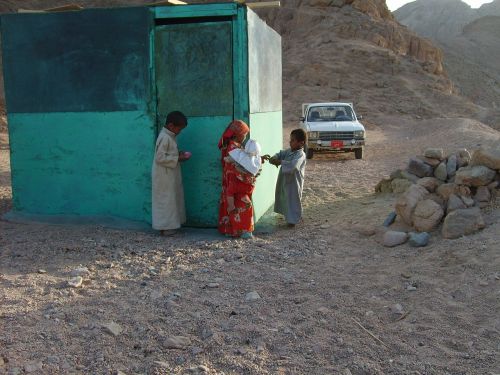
{"points": [[359, 153]]}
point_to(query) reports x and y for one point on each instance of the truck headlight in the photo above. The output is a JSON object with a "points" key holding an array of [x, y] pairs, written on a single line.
{"points": [[359, 134], [313, 135]]}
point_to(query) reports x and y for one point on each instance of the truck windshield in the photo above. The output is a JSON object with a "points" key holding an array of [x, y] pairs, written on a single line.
{"points": [[330, 113]]}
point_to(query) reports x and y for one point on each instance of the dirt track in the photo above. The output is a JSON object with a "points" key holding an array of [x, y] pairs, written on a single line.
{"points": [[328, 294]]}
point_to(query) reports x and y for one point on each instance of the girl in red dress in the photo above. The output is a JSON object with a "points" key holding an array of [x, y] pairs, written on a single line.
{"points": [[236, 209]]}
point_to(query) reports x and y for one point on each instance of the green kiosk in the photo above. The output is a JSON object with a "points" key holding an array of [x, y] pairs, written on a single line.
{"points": [[87, 91]]}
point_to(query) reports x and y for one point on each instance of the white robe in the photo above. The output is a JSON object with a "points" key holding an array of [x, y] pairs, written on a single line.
{"points": [[168, 208], [290, 185]]}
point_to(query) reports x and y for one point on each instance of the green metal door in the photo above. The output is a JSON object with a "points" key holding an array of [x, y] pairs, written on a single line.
{"points": [[194, 74]]}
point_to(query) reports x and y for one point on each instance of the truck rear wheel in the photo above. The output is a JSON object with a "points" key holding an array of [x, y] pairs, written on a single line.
{"points": [[359, 153], [309, 153]]}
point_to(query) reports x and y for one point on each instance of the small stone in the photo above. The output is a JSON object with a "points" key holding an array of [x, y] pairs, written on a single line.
{"points": [[252, 296], [240, 351], [212, 285], [411, 288], [418, 239], [80, 271], [206, 333], [14, 371], [162, 364], [484, 283], [323, 310], [33, 367], [393, 238], [454, 203], [112, 328], [119, 372], [179, 360], [390, 219], [196, 350], [176, 342], [451, 165], [397, 309], [365, 230], [75, 282], [52, 359], [41, 271]]}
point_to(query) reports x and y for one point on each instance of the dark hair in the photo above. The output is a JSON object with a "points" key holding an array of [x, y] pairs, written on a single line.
{"points": [[176, 118], [299, 134]]}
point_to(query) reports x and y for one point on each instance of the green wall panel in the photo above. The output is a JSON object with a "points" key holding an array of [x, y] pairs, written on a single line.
{"points": [[82, 163], [193, 66], [95, 60], [266, 128]]}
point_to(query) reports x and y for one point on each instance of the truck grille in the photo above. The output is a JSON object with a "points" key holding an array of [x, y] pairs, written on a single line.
{"points": [[330, 136]]}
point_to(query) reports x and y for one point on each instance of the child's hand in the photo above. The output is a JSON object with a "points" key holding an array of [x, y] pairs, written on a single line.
{"points": [[184, 155], [265, 157], [275, 161]]}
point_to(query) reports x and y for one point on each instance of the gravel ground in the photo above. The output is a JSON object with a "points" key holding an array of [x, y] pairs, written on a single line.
{"points": [[320, 299]]}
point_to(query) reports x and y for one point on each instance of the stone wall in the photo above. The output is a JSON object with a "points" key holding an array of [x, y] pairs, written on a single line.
{"points": [[446, 190]]}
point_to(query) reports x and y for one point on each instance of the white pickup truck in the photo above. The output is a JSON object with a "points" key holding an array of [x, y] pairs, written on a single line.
{"points": [[332, 127]]}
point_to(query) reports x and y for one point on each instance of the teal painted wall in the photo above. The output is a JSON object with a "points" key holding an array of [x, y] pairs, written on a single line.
{"points": [[265, 103], [202, 174], [82, 163], [267, 130]]}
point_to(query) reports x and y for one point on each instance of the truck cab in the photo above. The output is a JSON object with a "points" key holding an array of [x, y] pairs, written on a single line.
{"points": [[332, 127]]}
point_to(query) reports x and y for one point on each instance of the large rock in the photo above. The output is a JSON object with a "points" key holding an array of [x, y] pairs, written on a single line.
{"points": [[430, 183], [482, 194], [384, 186], [445, 190], [434, 153], [451, 165], [432, 162], [399, 185], [463, 158], [462, 222], [419, 168], [454, 203], [440, 171], [410, 176], [406, 203], [477, 175], [489, 157], [427, 215]]}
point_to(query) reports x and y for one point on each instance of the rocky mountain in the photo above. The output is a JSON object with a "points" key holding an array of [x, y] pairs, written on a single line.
{"points": [[351, 50], [470, 39]]}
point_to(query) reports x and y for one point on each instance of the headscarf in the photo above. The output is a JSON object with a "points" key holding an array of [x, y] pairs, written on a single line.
{"points": [[235, 128]]}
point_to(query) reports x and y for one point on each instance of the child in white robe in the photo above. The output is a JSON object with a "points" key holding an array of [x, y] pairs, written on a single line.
{"points": [[168, 210]]}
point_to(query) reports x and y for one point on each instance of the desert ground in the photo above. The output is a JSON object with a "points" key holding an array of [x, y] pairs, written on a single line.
{"points": [[333, 300]]}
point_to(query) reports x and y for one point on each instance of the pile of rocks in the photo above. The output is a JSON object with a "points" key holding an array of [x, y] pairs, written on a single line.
{"points": [[449, 189]]}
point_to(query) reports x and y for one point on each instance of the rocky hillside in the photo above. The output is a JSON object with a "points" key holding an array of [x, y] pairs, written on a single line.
{"points": [[470, 39], [355, 50], [351, 50]]}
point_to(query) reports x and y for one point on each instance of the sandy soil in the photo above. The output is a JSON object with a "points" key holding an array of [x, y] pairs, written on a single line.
{"points": [[332, 301]]}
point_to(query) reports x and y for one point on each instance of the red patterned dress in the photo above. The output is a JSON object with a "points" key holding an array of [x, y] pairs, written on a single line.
{"points": [[241, 186]]}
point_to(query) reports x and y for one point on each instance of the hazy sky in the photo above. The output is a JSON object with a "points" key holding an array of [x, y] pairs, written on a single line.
{"points": [[395, 4]]}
